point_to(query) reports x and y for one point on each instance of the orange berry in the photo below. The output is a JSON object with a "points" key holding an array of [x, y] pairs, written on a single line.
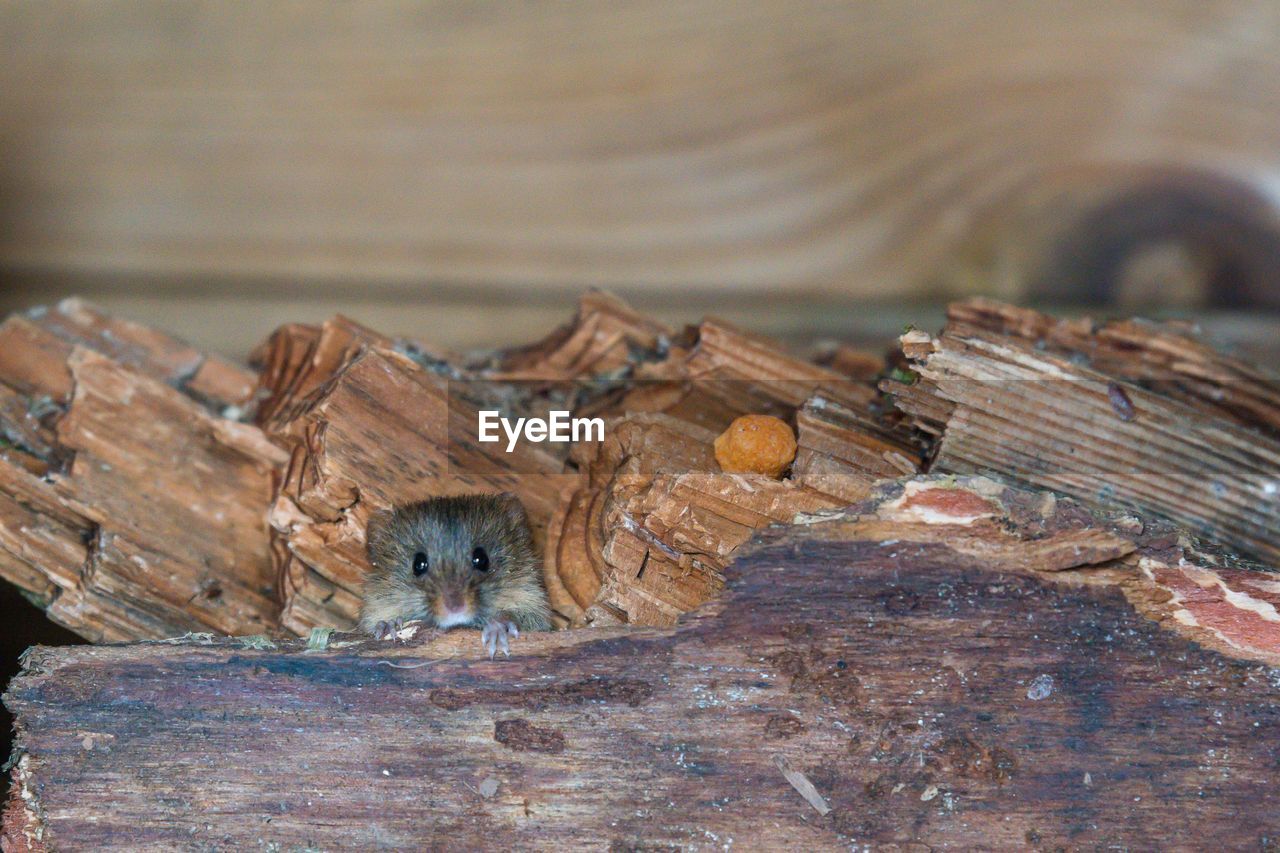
{"points": [[756, 444]]}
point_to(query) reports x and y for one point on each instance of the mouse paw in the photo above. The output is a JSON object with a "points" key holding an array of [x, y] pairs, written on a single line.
{"points": [[497, 635], [387, 630]]}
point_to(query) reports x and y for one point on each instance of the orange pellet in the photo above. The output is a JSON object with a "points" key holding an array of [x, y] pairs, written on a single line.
{"points": [[756, 444]]}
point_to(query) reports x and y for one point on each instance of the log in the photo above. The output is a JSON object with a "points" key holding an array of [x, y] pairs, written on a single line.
{"points": [[261, 522], [131, 497], [262, 525], [949, 663], [1198, 450], [369, 421], [1172, 358]]}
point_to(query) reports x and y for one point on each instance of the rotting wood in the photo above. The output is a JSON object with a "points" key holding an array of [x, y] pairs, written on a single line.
{"points": [[668, 538], [998, 403], [635, 447], [659, 392], [179, 546], [637, 528], [1172, 358], [130, 506], [842, 452], [297, 359], [382, 431], [347, 421], [657, 521], [645, 535], [605, 336], [904, 663], [715, 373], [45, 336]]}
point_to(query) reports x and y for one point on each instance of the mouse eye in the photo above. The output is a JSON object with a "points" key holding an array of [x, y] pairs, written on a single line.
{"points": [[419, 564], [480, 560]]}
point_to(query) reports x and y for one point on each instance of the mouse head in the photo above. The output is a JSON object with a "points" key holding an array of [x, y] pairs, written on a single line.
{"points": [[444, 559]]}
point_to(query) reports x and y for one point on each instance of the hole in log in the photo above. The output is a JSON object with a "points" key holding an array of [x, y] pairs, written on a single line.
{"points": [[1168, 240]]}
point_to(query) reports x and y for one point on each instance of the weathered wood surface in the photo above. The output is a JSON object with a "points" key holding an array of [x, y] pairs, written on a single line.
{"points": [[136, 495], [131, 505], [1199, 449], [647, 532], [1172, 358], [384, 431], [138, 501], [262, 523], [908, 664], [369, 421]]}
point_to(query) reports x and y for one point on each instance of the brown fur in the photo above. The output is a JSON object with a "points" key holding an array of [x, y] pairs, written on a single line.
{"points": [[447, 530]]}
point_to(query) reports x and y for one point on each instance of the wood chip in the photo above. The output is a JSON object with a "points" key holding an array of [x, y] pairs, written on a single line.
{"points": [[802, 785]]}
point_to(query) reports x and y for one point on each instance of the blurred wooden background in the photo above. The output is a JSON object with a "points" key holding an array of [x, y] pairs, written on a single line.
{"points": [[460, 170]]}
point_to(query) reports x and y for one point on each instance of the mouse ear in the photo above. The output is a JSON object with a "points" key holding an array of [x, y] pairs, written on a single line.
{"points": [[376, 532], [514, 509]]}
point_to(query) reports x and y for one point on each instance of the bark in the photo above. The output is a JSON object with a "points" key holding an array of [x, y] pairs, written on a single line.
{"points": [[950, 662]]}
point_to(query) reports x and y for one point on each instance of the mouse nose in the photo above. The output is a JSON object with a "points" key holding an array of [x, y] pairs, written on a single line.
{"points": [[453, 601], [453, 608]]}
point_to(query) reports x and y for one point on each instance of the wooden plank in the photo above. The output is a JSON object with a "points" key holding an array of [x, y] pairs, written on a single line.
{"points": [[902, 675], [788, 146]]}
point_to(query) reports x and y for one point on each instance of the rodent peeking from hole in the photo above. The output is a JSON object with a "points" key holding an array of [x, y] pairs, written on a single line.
{"points": [[452, 562]]}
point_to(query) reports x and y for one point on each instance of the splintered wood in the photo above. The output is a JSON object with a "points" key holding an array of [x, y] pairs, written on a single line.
{"points": [[636, 528], [130, 507], [1140, 415], [1170, 358], [147, 490], [382, 430], [900, 673], [656, 518]]}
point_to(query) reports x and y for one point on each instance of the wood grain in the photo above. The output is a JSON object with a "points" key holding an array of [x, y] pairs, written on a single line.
{"points": [[131, 505], [848, 690], [369, 422], [796, 146], [1003, 404]]}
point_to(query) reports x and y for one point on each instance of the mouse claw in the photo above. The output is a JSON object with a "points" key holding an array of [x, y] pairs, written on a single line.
{"points": [[497, 636], [388, 630]]}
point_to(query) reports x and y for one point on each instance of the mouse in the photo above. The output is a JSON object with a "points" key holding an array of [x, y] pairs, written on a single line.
{"points": [[464, 561]]}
